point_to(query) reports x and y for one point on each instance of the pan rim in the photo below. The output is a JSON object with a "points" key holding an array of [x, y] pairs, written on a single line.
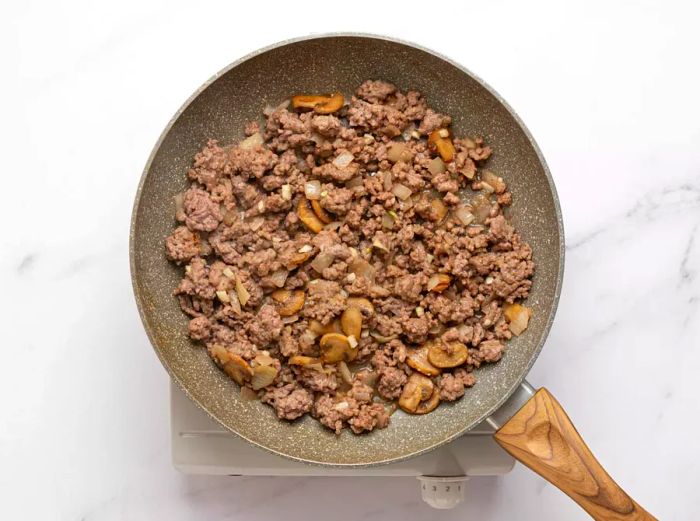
{"points": [[557, 211]]}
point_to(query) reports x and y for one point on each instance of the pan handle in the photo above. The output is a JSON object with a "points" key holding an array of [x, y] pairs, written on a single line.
{"points": [[540, 435]]}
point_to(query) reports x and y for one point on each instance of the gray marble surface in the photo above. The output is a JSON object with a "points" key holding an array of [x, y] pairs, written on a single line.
{"points": [[610, 91]]}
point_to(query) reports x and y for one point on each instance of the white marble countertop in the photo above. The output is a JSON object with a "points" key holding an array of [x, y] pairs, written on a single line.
{"points": [[610, 91]]}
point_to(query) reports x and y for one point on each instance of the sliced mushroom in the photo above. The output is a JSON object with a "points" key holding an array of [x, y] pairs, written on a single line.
{"points": [[440, 141], [446, 356], [321, 104], [308, 217], [320, 212], [418, 388], [334, 347], [351, 322], [238, 369], [418, 360], [430, 404], [320, 330], [303, 360], [291, 301], [362, 304], [298, 259], [263, 375], [438, 282]]}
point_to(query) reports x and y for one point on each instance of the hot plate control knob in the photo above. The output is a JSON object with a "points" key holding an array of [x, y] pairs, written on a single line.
{"points": [[441, 492]]}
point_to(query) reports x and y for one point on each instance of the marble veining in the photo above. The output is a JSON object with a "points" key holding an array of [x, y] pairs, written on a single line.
{"points": [[607, 89]]}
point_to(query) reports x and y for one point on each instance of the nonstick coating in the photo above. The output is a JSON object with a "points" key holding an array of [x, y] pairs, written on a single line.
{"points": [[320, 64]]}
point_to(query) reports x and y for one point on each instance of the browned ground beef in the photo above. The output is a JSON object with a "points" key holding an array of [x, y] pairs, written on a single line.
{"points": [[332, 298]]}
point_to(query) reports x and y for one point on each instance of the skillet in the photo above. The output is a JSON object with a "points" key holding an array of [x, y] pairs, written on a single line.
{"points": [[531, 426]]}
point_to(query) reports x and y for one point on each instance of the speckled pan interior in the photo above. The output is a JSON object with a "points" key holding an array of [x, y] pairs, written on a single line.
{"points": [[219, 109]]}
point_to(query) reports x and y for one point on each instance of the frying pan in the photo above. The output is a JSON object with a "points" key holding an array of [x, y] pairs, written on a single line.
{"points": [[530, 425]]}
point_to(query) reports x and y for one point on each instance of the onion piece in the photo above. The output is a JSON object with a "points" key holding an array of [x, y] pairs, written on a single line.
{"points": [[287, 192], [518, 318], [279, 277], [179, 204], [387, 221], [495, 182], [290, 319], [312, 189], [401, 191], [345, 373], [248, 395], [381, 338], [361, 268], [355, 182], [235, 304], [343, 159], [464, 215], [387, 180], [256, 223], [436, 166], [322, 261], [251, 142], [481, 208], [243, 295]]}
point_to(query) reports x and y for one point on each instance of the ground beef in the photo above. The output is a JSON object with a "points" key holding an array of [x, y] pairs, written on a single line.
{"points": [[268, 273], [182, 245], [391, 382], [201, 212], [289, 401]]}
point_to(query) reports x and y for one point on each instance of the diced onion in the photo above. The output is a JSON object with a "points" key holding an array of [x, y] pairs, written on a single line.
{"points": [[387, 221], [345, 373], [179, 204], [268, 110], [248, 395], [251, 141], [355, 182], [381, 338], [235, 304], [362, 268], [256, 223], [436, 166], [312, 189], [317, 138], [518, 318], [287, 192], [243, 295], [481, 208], [333, 225], [495, 182], [352, 341], [279, 277], [263, 359], [290, 319], [387, 180], [322, 261], [464, 215], [228, 273], [401, 191], [223, 296], [306, 248], [343, 159]]}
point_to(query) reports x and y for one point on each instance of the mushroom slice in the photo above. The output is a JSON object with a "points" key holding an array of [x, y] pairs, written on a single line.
{"points": [[447, 356], [362, 304], [440, 141], [303, 360], [430, 404], [320, 212], [308, 217], [238, 369], [320, 104], [351, 322], [418, 360], [334, 346], [291, 301], [418, 389]]}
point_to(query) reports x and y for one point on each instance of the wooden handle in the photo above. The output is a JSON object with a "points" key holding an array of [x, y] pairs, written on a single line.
{"points": [[541, 436]]}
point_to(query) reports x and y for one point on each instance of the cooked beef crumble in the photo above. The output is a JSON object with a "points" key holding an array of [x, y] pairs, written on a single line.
{"points": [[349, 255]]}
